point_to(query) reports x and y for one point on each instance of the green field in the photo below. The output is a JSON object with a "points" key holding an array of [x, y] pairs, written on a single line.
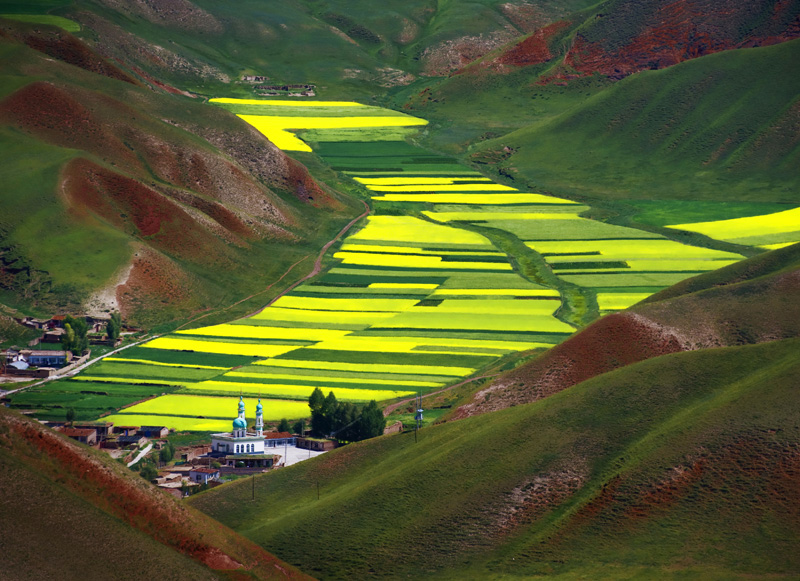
{"points": [[453, 286]]}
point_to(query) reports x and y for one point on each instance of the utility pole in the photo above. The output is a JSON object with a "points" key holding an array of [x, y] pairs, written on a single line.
{"points": [[418, 415]]}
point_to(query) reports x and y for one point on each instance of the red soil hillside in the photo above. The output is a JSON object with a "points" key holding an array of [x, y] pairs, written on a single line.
{"points": [[182, 193], [629, 37], [746, 303], [61, 45], [76, 513], [535, 49]]}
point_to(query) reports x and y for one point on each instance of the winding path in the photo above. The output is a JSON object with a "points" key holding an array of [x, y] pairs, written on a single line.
{"points": [[142, 453], [390, 408], [318, 263]]}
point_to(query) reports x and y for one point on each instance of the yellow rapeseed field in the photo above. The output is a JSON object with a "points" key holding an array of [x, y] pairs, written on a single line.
{"points": [[275, 128], [322, 379], [493, 199], [214, 407], [417, 181], [412, 230], [787, 221], [369, 367], [271, 390], [616, 301], [488, 187], [337, 304], [159, 363], [274, 313], [264, 332], [418, 262], [218, 347]]}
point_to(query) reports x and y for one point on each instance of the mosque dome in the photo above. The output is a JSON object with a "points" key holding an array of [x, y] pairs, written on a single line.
{"points": [[259, 407], [239, 424]]}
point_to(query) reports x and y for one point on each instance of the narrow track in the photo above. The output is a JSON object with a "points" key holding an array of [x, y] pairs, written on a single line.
{"points": [[318, 263], [390, 408]]}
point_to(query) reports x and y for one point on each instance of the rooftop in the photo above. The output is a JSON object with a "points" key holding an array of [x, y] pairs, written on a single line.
{"points": [[129, 439], [277, 435], [77, 432], [205, 470]]}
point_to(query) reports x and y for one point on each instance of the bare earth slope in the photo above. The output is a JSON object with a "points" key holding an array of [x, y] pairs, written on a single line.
{"points": [[75, 513]]}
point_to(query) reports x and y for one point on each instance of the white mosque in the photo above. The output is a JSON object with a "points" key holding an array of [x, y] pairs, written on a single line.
{"points": [[241, 446]]}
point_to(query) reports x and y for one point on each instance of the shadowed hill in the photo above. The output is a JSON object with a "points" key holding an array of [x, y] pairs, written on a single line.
{"points": [[752, 301], [75, 513], [166, 194], [681, 466]]}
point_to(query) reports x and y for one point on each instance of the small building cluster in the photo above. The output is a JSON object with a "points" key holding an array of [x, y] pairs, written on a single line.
{"points": [[26, 361], [240, 451]]}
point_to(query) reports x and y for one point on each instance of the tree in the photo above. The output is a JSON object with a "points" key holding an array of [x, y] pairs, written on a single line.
{"points": [[68, 338], [284, 426], [75, 338], [114, 327], [70, 415], [166, 453], [299, 427], [371, 423], [316, 400], [322, 412], [148, 472]]}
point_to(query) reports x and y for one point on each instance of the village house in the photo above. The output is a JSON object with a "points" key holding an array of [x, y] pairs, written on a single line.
{"points": [[203, 475], [101, 429], [126, 430], [85, 436], [189, 454], [275, 439], [53, 335], [316, 444], [153, 431], [125, 441]]}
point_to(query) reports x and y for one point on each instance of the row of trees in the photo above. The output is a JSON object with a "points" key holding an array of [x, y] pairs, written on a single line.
{"points": [[76, 331], [344, 420], [296, 428], [75, 335]]}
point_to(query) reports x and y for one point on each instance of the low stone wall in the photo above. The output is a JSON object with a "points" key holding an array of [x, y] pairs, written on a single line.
{"points": [[230, 470]]}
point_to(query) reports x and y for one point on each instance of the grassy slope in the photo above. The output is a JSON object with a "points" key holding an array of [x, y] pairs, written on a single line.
{"points": [[211, 158], [721, 127], [75, 513], [617, 474], [752, 301], [343, 47]]}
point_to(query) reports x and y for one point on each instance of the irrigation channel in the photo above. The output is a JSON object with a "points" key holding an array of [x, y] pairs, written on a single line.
{"points": [[448, 272]]}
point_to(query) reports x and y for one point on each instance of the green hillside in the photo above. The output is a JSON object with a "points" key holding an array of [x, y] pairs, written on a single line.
{"points": [[77, 514], [717, 128], [652, 470], [751, 301], [111, 183]]}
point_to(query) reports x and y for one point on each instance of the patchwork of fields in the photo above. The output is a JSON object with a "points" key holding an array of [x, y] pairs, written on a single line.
{"points": [[426, 293]]}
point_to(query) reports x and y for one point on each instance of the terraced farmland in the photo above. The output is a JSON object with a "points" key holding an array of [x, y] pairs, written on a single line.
{"points": [[450, 272]]}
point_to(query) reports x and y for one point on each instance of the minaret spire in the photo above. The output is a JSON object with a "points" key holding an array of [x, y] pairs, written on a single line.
{"points": [[259, 419]]}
